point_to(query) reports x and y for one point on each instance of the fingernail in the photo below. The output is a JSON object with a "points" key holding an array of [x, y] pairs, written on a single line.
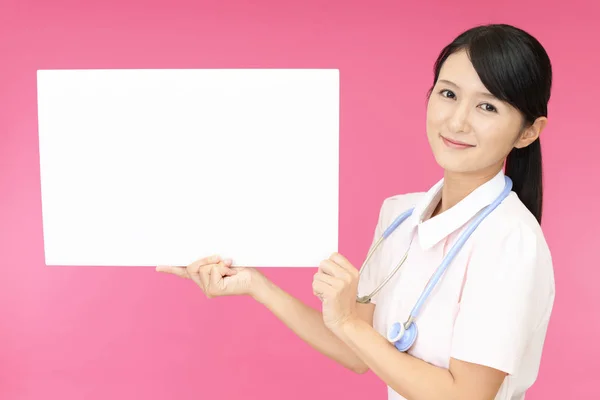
{"points": [[228, 261]]}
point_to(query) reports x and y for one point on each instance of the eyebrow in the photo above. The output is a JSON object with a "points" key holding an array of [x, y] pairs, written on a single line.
{"points": [[486, 94]]}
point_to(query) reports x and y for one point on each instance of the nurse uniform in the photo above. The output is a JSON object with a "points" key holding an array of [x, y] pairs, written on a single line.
{"points": [[493, 304]]}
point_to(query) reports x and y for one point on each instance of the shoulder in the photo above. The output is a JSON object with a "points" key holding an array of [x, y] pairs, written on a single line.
{"points": [[509, 248], [513, 228]]}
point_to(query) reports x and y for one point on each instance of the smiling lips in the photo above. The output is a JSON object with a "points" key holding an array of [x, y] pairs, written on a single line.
{"points": [[456, 144]]}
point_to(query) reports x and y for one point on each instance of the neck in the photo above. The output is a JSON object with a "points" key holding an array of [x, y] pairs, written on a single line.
{"points": [[457, 186]]}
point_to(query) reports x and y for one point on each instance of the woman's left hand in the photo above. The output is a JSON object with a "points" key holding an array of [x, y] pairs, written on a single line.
{"points": [[336, 284]]}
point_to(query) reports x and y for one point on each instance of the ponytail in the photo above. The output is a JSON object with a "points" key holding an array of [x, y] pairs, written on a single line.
{"points": [[524, 168]]}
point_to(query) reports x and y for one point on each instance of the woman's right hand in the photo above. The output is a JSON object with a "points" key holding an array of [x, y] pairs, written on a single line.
{"points": [[216, 276]]}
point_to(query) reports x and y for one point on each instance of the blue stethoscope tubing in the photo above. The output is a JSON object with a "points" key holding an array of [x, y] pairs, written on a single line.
{"points": [[404, 335]]}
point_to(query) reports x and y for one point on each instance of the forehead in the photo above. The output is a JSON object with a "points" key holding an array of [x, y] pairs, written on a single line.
{"points": [[459, 70]]}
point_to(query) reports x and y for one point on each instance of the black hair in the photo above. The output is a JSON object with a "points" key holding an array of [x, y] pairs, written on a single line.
{"points": [[515, 68]]}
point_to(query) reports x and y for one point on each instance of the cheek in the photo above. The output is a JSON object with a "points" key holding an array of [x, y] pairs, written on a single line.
{"points": [[435, 119], [495, 139]]}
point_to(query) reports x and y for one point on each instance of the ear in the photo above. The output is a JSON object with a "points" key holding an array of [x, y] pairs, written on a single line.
{"points": [[531, 133]]}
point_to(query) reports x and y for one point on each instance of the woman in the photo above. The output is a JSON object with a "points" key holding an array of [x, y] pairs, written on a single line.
{"points": [[481, 331]]}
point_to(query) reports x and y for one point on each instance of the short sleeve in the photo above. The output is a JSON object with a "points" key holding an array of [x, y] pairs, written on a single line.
{"points": [[504, 299], [368, 278]]}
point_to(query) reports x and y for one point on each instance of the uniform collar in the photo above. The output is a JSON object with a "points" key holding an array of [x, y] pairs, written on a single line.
{"points": [[433, 230]]}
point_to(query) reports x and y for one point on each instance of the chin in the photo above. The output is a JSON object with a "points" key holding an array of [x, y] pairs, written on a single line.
{"points": [[453, 163]]}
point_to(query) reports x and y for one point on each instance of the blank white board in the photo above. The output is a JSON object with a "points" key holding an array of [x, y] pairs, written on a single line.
{"points": [[153, 167]]}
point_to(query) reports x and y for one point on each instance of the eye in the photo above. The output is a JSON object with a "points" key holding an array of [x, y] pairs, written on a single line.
{"points": [[447, 93], [488, 107]]}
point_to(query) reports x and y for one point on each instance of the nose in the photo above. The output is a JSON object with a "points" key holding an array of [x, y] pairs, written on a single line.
{"points": [[459, 120]]}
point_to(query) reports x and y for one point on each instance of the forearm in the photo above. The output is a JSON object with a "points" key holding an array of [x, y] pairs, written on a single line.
{"points": [[308, 324], [411, 377]]}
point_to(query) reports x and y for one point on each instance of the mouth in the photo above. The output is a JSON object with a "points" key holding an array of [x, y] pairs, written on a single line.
{"points": [[455, 144]]}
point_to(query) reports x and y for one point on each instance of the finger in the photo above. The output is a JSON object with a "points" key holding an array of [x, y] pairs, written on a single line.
{"points": [[326, 279], [204, 275], [179, 271], [215, 258], [194, 273], [331, 268], [321, 289], [342, 262], [215, 278], [228, 262]]}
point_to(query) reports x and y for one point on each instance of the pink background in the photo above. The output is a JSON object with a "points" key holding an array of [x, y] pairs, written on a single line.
{"points": [[120, 333]]}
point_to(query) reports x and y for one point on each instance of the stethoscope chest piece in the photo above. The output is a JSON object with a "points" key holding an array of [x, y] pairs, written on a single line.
{"points": [[401, 337]]}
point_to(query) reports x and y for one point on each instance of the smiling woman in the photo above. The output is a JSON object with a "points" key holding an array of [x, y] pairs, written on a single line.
{"points": [[491, 91], [481, 331]]}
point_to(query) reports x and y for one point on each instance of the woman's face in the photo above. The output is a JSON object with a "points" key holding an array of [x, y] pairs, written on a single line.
{"points": [[469, 130]]}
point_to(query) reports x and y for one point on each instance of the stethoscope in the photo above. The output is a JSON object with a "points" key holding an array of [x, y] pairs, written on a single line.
{"points": [[404, 335]]}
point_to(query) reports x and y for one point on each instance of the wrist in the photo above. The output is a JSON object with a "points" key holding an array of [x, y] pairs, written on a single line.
{"points": [[260, 287], [346, 327]]}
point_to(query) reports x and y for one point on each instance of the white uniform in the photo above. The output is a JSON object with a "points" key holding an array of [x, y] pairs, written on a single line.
{"points": [[493, 304]]}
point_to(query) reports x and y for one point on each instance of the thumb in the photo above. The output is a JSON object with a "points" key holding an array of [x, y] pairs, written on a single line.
{"points": [[217, 272], [227, 270]]}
